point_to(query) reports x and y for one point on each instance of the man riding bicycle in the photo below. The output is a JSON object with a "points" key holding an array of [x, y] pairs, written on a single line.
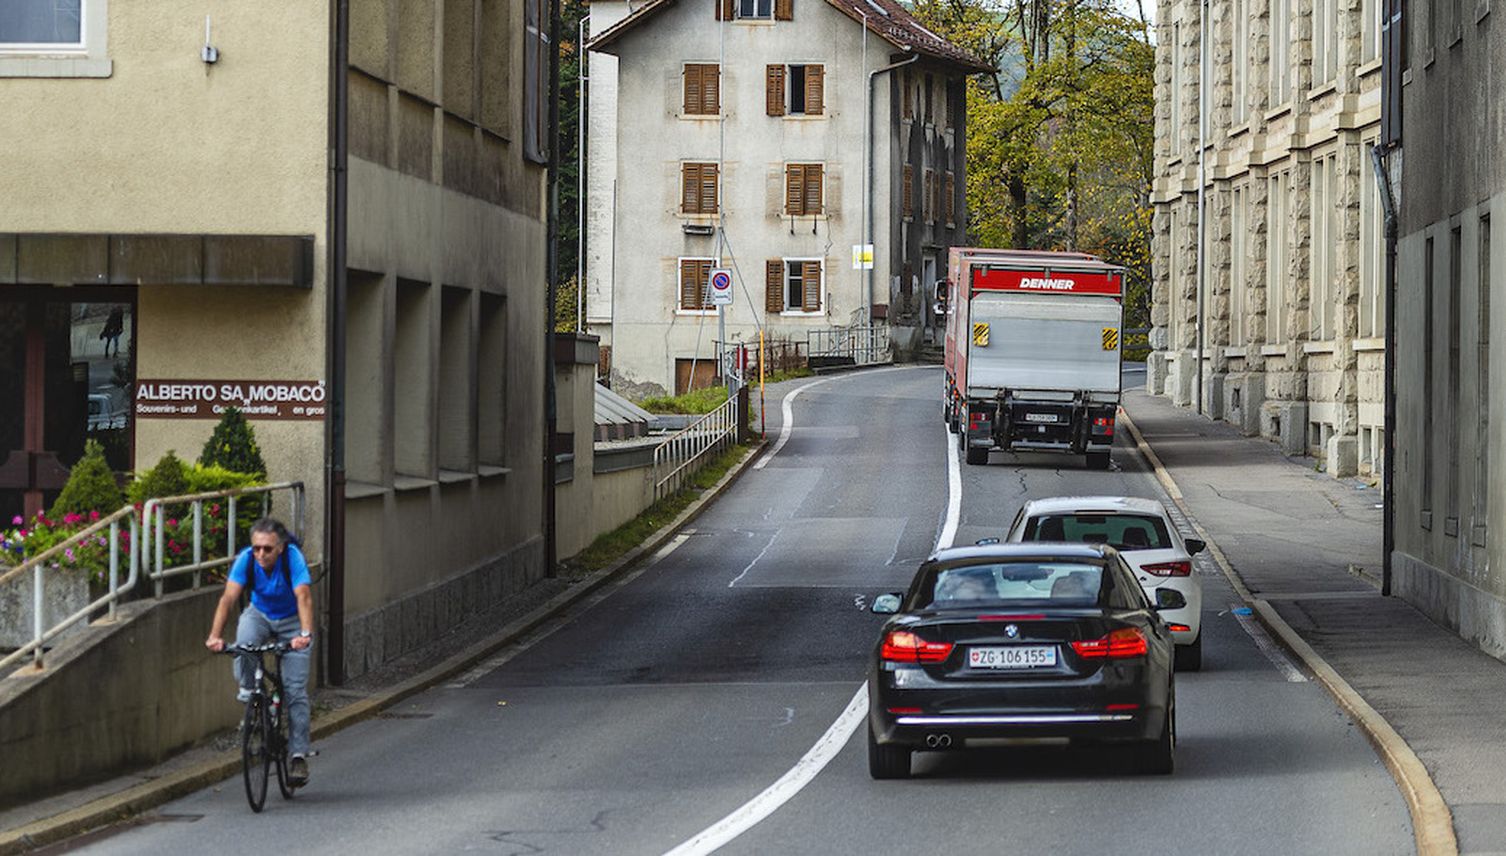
{"points": [[282, 606]]}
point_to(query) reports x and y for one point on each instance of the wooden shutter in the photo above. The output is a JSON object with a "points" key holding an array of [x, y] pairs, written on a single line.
{"points": [[692, 89], [690, 188], [810, 277], [711, 89], [950, 205], [815, 90], [794, 189], [812, 189], [773, 283], [907, 191], [784, 10], [725, 10], [774, 90], [690, 292], [928, 204], [708, 190]]}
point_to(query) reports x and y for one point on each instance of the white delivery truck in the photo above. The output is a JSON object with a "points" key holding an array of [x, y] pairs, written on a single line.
{"points": [[1032, 351]]}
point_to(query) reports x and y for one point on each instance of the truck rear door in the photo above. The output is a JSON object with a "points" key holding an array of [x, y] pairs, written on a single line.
{"points": [[1044, 342]]}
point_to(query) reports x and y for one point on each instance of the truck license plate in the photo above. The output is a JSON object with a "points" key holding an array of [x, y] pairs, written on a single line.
{"points": [[1040, 417]]}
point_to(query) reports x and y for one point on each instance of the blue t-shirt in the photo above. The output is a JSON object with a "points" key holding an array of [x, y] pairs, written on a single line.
{"points": [[271, 594]]}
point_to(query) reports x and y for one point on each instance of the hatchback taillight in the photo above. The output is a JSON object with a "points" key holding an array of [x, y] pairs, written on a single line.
{"points": [[1168, 569], [902, 646], [1119, 644]]}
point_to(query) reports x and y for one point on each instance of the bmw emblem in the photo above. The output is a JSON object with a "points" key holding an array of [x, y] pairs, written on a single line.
{"points": [[1011, 631]]}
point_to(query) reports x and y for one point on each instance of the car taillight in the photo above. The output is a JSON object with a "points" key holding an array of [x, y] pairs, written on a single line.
{"points": [[1179, 628], [902, 646], [1168, 569], [1119, 644]]}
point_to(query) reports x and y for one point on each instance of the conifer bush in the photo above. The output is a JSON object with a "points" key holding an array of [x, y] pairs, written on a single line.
{"points": [[91, 486], [233, 446], [168, 478]]}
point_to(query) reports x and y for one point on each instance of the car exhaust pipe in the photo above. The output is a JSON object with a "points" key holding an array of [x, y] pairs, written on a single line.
{"points": [[939, 741]]}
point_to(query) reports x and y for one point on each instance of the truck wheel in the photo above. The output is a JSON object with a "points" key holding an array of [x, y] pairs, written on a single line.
{"points": [[976, 456], [1098, 460]]}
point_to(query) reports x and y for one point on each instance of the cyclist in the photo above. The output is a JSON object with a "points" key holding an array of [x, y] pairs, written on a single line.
{"points": [[282, 605]]}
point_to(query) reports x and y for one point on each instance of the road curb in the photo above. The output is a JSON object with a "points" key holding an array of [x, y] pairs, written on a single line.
{"points": [[139, 798], [1432, 821]]}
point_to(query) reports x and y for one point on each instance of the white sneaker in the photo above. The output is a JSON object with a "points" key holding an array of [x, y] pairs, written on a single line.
{"points": [[243, 695]]}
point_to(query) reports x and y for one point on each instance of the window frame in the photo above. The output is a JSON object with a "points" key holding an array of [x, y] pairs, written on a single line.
{"points": [[787, 262], [88, 57], [737, 10]]}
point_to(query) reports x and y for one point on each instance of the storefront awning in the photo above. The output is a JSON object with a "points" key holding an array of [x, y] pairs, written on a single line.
{"points": [[100, 259]]}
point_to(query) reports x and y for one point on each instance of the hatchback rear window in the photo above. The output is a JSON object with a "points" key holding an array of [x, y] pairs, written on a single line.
{"points": [[1062, 583], [1120, 531]]}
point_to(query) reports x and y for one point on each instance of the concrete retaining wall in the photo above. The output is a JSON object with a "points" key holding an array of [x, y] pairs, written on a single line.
{"points": [[1475, 614], [116, 696]]}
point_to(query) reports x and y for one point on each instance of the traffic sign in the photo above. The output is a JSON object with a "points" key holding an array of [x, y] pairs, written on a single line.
{"points": [[721, 287]]}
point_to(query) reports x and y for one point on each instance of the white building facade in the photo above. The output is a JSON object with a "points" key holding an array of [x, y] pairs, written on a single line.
{"points": [[732, 135]]}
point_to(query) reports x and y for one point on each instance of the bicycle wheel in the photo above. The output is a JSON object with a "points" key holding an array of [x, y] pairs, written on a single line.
{"points": [[280, 753], [255, 757]]}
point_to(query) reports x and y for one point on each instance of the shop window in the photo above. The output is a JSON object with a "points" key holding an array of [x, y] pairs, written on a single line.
{"points": [[457, 420]]}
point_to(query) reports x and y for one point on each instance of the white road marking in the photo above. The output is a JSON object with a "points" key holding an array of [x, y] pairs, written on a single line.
{"points": [[772, 539], [523, 644], [766, 803], [788, 424], [1267, 646], [779, 793]]}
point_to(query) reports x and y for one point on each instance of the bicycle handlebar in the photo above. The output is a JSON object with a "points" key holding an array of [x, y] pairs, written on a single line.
{"points": [[279, 647]]}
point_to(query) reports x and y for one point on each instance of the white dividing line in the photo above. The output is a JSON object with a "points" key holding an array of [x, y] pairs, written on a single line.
{"points": [[518, 647], [788, 424], [766, 803], [1267, 646], [779, 793]]}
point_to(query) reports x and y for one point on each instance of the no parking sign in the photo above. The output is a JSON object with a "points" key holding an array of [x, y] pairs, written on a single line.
{"points": [[721, 287]]}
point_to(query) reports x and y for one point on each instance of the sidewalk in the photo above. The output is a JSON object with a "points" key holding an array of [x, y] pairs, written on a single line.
{"points": [[1310, 545]]}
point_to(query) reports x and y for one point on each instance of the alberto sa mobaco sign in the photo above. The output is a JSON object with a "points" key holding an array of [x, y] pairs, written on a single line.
{"points": [[207, 399]]}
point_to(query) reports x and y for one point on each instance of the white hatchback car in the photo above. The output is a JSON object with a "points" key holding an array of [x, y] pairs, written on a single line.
{"points": [[1142, 531]]}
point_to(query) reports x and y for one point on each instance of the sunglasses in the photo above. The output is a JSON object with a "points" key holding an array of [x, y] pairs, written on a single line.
{"points": [[264, 548]]}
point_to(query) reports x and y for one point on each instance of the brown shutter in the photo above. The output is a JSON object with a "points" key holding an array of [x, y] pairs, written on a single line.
{"points": [[725, 10], [690, 187], [708, 189], [812, 189], [689, 293], [784, 10], [703, 276], [774, 90], [711, 89], [794, 189], [815, 90], [810, 276], [951, 197], [692, 89], [773, 283], [907, 206]]}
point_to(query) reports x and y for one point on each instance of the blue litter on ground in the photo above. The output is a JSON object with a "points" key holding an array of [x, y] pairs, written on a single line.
{"points": [[1243, 610]]}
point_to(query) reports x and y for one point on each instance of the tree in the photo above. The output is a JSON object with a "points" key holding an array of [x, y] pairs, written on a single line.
{"points": [[233, 445]]}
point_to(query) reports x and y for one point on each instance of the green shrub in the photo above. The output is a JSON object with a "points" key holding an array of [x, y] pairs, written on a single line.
{"points": [[233, 446], [91, 486], [703, 400], [168, 478]]}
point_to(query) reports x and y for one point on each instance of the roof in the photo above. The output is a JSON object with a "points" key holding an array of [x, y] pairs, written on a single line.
{"points": [[1109, 504], [885, 18], [1022, 551]]}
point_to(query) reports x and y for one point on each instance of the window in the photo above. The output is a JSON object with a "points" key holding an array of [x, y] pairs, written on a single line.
{"points": [[1321, 270], [795, 90], [930, 96], [536, 49], [797, 284], [54, 38], [1176, 130], [907, 96], [457, 397], [1237, 250], [703, 89], [1241, 69], [1120, 531], [491, 381], [802, 190], [694, 285], [755, 9], [1174, 277], [907, 191], [413, 381], [1277, 230], [698, 188], [950, 203], [1372, 295], [928, 206], [1325, 40], [1281, 63], [1482, 387], [1428, 293], [1370, 25], [1020, 583], [1455, 376]]}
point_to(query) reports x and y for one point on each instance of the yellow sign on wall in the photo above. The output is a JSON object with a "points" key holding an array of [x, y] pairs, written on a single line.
{"points": [[1110, 338], [980, 334]]}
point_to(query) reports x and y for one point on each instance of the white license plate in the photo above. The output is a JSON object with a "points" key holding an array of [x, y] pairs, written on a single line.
{"points": [[1012, 657], [1040, 417]]}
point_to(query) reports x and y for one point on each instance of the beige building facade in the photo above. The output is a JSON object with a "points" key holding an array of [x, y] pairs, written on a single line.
{"points": [[178, 167], [1274, 320]]}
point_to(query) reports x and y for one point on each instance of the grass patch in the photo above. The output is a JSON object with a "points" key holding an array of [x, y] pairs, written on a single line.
{"points": [[613, 545], [697, 401], [789, 374]]}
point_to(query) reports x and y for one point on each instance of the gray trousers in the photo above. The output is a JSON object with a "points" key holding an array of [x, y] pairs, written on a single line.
{"points": [[256, 629]]}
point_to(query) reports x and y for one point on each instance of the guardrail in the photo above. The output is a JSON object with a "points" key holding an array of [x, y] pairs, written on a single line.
{"points": [[145, 549], [863, 345], [682, 454]]}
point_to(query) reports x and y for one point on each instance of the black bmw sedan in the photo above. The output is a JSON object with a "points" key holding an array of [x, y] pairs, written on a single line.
{"points": [[1027, 640]]}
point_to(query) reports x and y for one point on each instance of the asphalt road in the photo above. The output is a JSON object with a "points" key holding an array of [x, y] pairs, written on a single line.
{"points": [[644, 720]]}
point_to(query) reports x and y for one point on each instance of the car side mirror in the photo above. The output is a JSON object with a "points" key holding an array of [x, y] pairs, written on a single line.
{"points": [[1195, 546], [1168, 599], [885, 604]]}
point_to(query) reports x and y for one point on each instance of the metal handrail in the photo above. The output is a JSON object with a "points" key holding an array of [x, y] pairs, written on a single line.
{"points": [[681, 451], [864, 344], [146, 550]]}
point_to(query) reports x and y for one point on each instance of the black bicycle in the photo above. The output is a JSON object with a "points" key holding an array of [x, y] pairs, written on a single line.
{"points": [[264, 730]]}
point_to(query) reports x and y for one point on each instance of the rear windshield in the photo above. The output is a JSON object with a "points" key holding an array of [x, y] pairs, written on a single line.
{"points": [[1063, 583], [1121, 531]]}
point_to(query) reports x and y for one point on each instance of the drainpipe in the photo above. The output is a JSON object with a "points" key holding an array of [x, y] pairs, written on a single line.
{"points": [[552, 267], [1388, 490], [868, 194], [582, 79], [1202, 159], [335, 286]]}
